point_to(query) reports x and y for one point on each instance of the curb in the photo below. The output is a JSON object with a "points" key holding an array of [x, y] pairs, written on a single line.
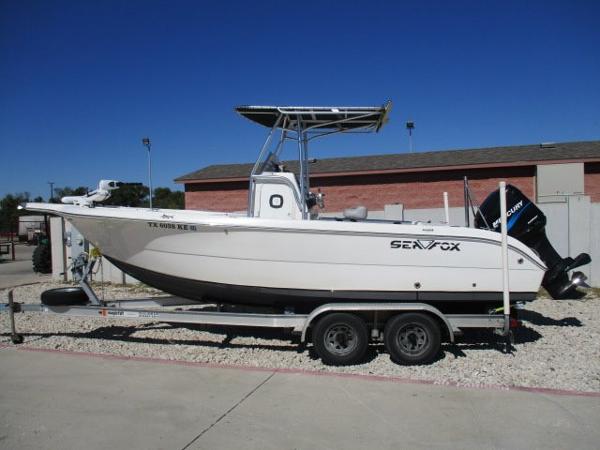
{"points": [[306, 372]]}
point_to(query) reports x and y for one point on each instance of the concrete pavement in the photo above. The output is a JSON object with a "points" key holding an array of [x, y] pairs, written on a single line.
{"points": [[20, 271], [57, 400]]}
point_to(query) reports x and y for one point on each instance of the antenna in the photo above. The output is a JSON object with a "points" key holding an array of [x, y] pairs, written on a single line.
{"points": [[410, 125]]}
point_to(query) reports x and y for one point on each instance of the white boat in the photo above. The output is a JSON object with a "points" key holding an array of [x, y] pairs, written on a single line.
{"points": [[280, 253]]}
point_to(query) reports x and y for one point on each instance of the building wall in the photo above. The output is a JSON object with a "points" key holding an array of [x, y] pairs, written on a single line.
{"points": [[226, 197], [414, 190], [419, 190], [592, 181], [556, 181]]}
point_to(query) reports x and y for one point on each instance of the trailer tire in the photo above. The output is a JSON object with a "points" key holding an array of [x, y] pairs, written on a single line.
{"points": [[412, 338], [341, 339], [69, 296]]}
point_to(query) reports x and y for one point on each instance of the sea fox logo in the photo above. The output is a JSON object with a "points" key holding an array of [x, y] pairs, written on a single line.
{"points": [[426, 245], [509, 213]]}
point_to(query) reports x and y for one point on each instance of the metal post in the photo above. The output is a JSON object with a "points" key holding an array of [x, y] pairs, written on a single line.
{"points": [[64, 249], [47, 228], [12, 239], [84, 284], [302, 158], [51, 183], [505, 280], [12, 308], [305, 214], [446, 208], [146, 142], [252, 185], [410, 125], [466, 196], [300, 154], [150, 174]]}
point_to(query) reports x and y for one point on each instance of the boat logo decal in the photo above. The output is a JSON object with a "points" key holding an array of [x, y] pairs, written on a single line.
{"points": [[173, 226], [426, 245], [509, 213]]}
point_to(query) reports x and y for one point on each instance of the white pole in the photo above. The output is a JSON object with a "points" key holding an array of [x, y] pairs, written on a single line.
{"points": [[446, 209], [146, 143], [505, 281], [150, 174]]}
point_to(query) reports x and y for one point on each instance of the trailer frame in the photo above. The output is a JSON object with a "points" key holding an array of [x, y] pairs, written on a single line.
{"points": [[161, 309]]}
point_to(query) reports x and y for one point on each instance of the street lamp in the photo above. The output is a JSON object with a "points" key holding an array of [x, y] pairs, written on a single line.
{"points": [[51, 183], [146, 143], [410, 125]]}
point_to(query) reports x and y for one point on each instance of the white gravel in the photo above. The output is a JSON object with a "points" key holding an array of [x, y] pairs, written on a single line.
{"points": [[558, 346]]}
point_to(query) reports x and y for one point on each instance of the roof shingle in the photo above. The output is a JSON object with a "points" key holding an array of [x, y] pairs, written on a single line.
{"points": [[403, 161]]}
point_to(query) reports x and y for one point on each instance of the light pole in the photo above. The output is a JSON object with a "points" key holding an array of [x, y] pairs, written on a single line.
{"points": [[147, 144], [410, 125], [51, 183]]}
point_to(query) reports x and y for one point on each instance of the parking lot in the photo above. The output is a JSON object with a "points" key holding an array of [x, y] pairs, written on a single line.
{"points": [[70, 401]]}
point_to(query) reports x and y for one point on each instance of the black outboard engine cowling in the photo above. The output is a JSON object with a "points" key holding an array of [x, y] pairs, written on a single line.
{"points": [[526, 222]]}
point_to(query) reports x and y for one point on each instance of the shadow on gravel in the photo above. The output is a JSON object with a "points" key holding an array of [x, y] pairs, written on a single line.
{"points": [[125, 334], [488, 340], [472, 339], [536, 318], [373, 352]]}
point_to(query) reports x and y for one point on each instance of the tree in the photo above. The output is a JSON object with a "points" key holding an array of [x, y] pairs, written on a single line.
{"points": [[67, 192], [134, 195], [168, 199], [9, 212]]}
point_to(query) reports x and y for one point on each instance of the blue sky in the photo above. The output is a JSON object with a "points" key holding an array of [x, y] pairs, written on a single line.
{"points": [[82, 82]]}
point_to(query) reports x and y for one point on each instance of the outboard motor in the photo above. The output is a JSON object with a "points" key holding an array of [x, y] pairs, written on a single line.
{"points": [[526, 222]]}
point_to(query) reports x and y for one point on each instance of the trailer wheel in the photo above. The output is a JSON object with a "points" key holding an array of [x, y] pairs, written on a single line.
{"points": [[412, 338], [69, 296], [341, 339]]}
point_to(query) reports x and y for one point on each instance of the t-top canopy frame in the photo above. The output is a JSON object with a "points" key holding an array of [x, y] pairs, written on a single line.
{"points": [[310, 118], [304, 123]]}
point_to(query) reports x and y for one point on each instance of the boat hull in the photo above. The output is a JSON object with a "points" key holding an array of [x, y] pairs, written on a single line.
{"points": [[302, 264], [304, 300]]}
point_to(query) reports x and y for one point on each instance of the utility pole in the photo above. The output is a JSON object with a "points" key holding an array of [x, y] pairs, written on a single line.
{"points": [[147, 144], [51, 183], [410, 125]]}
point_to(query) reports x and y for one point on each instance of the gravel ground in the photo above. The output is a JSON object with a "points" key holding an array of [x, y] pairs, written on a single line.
{"points": [[558, 346]]}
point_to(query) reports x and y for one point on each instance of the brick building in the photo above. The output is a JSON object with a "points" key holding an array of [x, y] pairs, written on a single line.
{"points": [[543, 172]]}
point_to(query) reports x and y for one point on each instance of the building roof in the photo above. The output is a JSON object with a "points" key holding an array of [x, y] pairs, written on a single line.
{"points": [[406, 162]]}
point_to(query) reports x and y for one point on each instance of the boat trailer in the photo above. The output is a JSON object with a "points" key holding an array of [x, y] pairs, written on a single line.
{"points": [[168, 309], [340, 332]]}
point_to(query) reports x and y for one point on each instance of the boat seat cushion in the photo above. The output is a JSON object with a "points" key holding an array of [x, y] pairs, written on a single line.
{"points": [[358, 213]]}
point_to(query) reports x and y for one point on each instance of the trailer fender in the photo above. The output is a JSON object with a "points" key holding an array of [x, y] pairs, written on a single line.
{"points": [[372, 307]]}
